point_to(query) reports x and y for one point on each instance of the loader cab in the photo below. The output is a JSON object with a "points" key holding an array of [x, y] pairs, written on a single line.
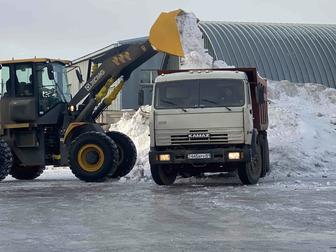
{"points": [[30, 88]]}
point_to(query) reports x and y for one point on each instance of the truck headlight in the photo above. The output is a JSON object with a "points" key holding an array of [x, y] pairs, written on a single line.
{"points": [[72, 108], [164, 157], [234, 155]]}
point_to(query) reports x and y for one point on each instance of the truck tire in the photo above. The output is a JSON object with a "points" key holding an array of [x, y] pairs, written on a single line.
{"points": [[127, 153], [6, 159], [93, 156], [163, 175], [250, 172], [265, 156], [26, 172]]}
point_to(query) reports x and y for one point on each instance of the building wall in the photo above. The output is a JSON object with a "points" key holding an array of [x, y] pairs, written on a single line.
{"points": [[296, 52]]}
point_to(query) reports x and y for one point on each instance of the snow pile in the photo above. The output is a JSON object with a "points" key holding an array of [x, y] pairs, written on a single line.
{"points": [[191, 36], [302, 130], [137, 128]]}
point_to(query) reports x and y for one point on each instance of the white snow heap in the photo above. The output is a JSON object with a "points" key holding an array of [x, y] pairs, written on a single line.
{"points": [[191, 37], [302, 131], [137, 128]]}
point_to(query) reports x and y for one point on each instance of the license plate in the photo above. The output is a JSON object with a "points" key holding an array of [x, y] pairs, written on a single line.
{"points": [[199, 156]]}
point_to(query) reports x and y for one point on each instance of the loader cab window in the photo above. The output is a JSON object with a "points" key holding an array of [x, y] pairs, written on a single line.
{"points": [[48, 96], [61, 80], [23, 80], [5, 81], [51, 91]]}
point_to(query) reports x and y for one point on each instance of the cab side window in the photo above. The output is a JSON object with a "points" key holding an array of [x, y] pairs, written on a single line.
{"points": [[5, 81], [48, 96], [248, 93], [23, 80]]}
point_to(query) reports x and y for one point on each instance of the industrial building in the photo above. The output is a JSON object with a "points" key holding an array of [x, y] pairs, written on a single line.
{"points": [[300, 53]]}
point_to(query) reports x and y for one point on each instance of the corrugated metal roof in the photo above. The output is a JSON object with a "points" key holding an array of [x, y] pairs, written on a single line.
{"points": [[295, 52]]}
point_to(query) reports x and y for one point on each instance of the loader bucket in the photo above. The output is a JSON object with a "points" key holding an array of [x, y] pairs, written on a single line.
{"points": [[164, 35]]}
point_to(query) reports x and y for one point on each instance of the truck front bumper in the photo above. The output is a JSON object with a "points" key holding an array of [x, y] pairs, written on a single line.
{"points": [[204, 156]]}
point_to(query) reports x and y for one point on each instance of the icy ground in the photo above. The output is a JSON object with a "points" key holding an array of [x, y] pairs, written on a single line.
{"points": [[60, 213]]}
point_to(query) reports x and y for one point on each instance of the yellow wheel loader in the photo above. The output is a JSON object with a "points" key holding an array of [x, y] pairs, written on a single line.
{"points": [[41, 124]]}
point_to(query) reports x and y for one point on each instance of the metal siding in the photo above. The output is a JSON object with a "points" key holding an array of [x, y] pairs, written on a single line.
{"points": [[294, 52]]}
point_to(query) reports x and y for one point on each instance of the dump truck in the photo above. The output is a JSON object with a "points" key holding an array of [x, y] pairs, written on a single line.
{"points": [[42, 124], [205, 121]]}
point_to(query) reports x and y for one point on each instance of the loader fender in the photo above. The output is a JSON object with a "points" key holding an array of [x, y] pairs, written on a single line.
{"points": [[76, 128]]}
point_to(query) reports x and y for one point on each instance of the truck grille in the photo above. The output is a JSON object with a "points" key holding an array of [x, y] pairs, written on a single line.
{"points": [[199, 138]]}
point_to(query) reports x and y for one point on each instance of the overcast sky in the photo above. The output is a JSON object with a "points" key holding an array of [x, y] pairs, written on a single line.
{"points": [[72, 28]]}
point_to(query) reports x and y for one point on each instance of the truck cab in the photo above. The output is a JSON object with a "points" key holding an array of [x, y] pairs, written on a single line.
{"points": [[209, 121]]}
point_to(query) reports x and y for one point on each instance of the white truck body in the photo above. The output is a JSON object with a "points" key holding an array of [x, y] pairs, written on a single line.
{"points": [[203, 121]]}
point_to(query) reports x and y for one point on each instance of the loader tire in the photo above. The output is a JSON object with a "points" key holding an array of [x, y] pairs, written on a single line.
{"points": [[127, 153], [249, 173], [265, 156], [163, 175], [6, 159], [26, 172], [93, 157]]}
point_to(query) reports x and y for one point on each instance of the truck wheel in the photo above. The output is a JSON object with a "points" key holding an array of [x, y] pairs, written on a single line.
{"points": [[127, 153], [6, 159], [26, 172], [265, 156], [93, 156], [163, 175], [249, 173]]}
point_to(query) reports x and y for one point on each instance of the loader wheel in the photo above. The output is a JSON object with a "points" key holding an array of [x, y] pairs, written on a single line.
{"points": [[250, 172], [127, 153], [93, 156], [6, 159], [265, 156], [26, 172], [163, 175]]}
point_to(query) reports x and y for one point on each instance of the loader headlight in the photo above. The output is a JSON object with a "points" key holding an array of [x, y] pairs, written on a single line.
{"points": [[164, 157], [72, 108], [234, 155]]}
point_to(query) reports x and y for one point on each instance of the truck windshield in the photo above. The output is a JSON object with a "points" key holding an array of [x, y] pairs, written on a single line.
{"points": [[199, 93]]}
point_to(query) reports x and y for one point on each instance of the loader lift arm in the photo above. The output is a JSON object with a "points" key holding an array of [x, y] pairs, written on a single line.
{"points": [[164, 37], [121, 64]]}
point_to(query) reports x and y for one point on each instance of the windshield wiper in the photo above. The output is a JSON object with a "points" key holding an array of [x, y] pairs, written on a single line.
{"points": [[174, 104], [216, 103]]}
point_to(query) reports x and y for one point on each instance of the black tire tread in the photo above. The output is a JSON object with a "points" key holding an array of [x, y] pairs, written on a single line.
{"points": [[26, 172], [243, 171], [6, 159], [130, 153], [160, 177]]}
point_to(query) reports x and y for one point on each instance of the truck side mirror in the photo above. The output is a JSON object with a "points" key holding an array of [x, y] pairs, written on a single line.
{"points": [[260, 91], [79, 76], [50, 72], [141, 97]]}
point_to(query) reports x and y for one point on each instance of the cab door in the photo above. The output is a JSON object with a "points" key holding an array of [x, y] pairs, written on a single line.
{"points": [[18, 100]]}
